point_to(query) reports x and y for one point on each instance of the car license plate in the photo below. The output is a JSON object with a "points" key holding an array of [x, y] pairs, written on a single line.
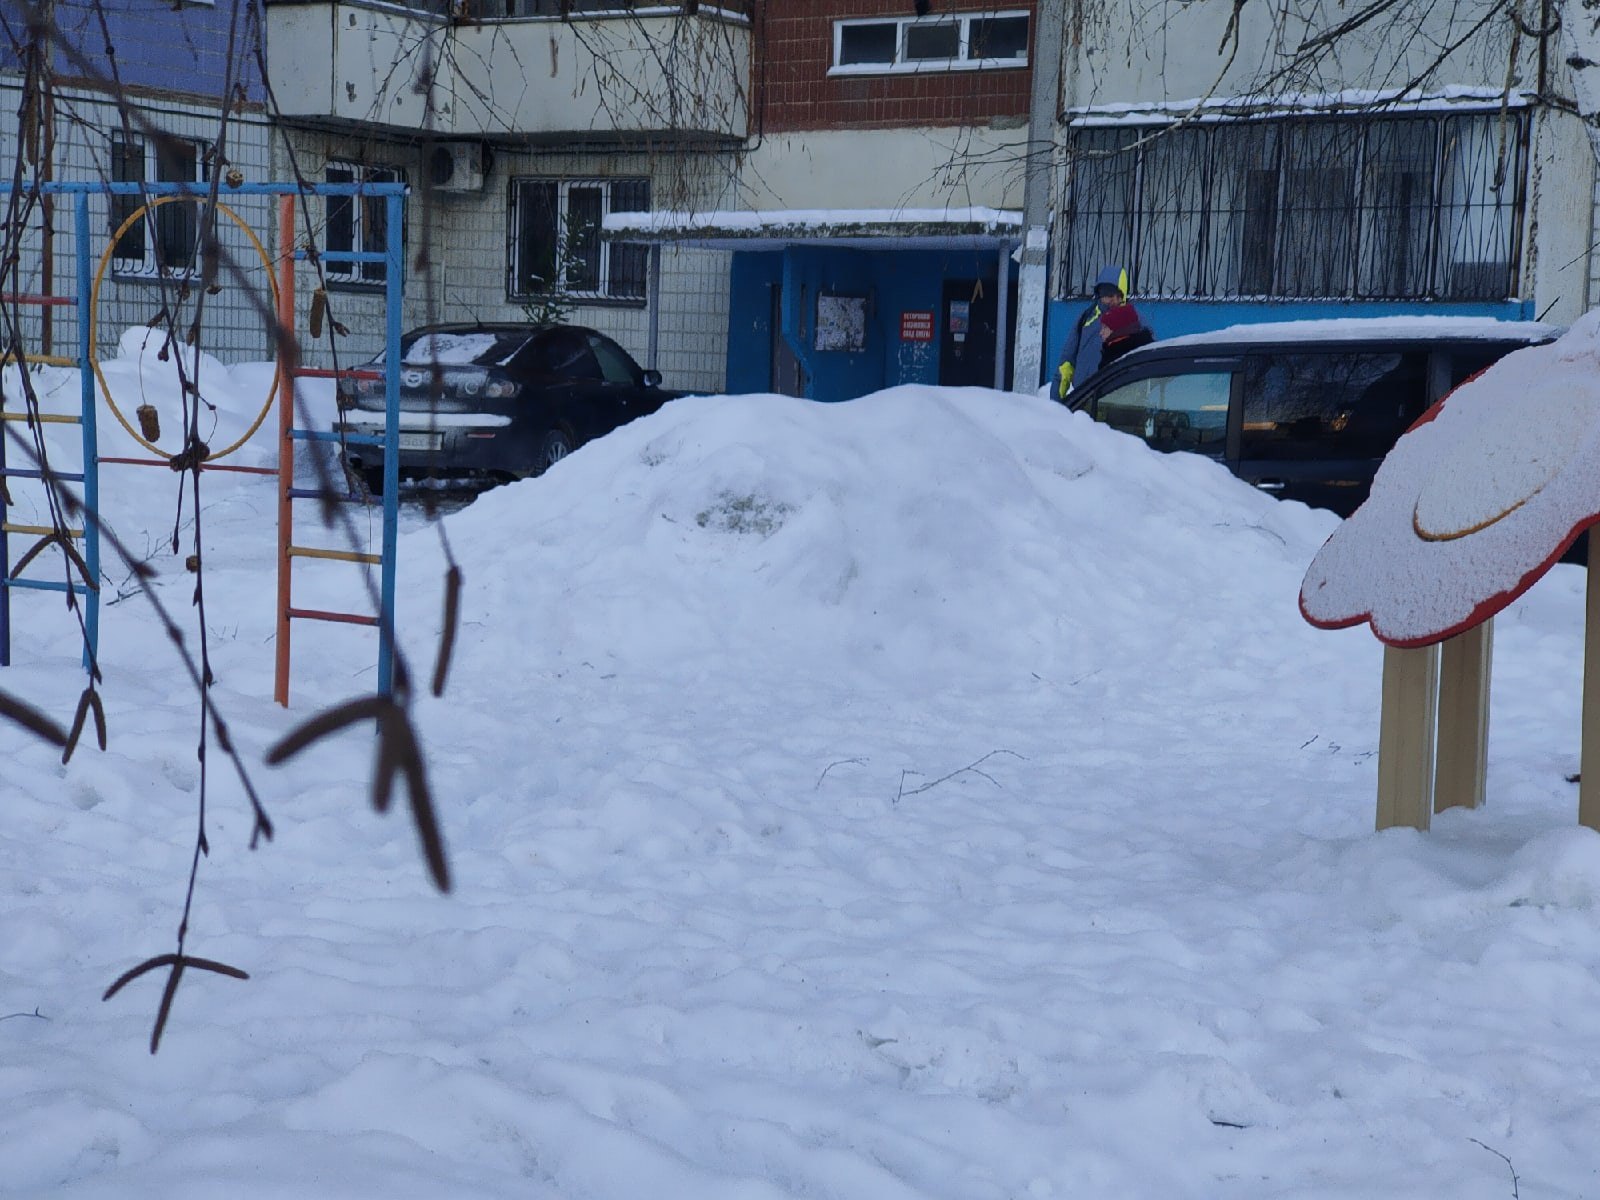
{"points": [[421, 441]]}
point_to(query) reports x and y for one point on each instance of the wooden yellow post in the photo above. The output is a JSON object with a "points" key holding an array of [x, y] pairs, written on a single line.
{"points": [[1462, 761], [1589, 750], [1406, 737]]}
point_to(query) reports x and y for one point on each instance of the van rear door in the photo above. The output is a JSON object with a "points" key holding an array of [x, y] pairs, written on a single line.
{"points": [[1315, 424]]}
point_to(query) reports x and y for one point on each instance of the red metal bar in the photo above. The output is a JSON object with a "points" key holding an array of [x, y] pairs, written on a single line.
{"points": [[315, 614], [341, 373], [44, 301], [205, 466], [280, 685]]}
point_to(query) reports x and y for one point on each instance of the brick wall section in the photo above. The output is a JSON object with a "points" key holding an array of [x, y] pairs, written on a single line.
{"points": [[798, 93]]}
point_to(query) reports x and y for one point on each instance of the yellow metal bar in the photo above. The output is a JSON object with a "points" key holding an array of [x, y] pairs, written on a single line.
{"points": [[1589, 726], [49, 360], [45, 418], [340, 555], [37, 530]]}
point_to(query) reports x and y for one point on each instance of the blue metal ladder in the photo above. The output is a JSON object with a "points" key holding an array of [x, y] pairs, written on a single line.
{"points": [[86, 590], [392, 256]]}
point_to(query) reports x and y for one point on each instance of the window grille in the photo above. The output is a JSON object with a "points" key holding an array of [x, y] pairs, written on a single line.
{"points": [[555, 238], [166, 239], [1412, 207], [358, 223]]}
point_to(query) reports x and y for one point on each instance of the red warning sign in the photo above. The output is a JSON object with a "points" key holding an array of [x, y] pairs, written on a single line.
{"points": [[916, 327]]}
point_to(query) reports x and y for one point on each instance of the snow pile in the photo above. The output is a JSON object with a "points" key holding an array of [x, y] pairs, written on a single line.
{"points": [[935, 795], [760, 524]]}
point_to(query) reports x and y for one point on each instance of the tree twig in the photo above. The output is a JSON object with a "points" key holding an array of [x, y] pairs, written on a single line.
{"points": [[970, 768]]}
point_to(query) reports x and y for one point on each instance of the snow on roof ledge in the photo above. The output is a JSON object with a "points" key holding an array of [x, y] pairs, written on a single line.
{"points": [[821, 224], [1222, 108]]}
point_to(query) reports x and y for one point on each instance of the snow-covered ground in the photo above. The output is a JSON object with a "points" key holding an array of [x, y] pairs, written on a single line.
{"points": [[934, 795]]}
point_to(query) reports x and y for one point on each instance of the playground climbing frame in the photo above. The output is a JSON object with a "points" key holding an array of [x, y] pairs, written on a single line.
{"points": [[84, 589]]}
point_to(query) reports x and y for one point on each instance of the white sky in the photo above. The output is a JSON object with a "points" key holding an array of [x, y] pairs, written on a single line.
{"points": [[935, 795]]}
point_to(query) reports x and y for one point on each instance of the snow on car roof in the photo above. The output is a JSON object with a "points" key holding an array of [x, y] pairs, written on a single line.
{"points": [[1340, 329], [441, 347]]}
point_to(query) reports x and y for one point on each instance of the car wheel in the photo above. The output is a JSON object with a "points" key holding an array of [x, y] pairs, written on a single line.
{"points": [[557, 444]]}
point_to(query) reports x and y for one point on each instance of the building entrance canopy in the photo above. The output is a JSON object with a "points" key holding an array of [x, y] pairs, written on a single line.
{"points": [[860, 228]]}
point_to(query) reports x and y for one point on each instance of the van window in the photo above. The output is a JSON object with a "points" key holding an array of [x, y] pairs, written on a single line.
{"points": [[1172, 412], [1335, 405], [1468, 361]]}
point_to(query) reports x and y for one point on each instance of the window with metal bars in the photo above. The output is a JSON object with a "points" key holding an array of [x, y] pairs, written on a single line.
{"points": [[358, 223], [164, 241], [555, 238], [1425, 206]]}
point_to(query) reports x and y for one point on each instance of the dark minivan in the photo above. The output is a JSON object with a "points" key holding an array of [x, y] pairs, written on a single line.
{"points": [[1305, 410]]}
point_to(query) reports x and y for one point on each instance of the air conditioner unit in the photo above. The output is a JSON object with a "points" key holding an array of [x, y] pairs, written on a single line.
{"points": [[458, 167]]}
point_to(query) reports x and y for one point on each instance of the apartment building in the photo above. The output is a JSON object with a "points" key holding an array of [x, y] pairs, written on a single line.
{"points": [[1420, 161], [879, 198]]}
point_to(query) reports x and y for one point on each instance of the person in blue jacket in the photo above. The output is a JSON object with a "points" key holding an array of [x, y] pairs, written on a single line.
{"points": [[1080, 354]]}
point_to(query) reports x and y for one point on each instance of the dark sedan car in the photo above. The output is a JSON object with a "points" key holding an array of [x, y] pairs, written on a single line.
{"points": [[490, 403]]}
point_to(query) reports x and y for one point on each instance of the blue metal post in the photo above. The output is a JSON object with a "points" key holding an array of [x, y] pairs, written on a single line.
{"points": [[91, 442], [394, 292], [5, 557]]}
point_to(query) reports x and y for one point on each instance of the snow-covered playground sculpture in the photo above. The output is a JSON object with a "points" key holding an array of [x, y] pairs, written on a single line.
{"points": [[1472, 506]]}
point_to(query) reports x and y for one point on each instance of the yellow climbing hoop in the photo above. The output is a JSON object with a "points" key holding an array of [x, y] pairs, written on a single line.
{"points": [[94, 320]]}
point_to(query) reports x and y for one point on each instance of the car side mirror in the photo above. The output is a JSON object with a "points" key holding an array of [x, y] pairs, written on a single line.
{"points": [[652, 378]]}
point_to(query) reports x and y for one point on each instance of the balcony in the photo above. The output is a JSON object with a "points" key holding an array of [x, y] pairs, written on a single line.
{"points": [[607, 70]]}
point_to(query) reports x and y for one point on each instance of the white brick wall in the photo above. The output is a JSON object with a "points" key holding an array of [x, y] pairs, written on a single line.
{"points": [[232, 326], [466, 274], [465, 278]]}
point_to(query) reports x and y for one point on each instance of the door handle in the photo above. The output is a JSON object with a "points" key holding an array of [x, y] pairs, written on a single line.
{"points": [[1271, 485]]}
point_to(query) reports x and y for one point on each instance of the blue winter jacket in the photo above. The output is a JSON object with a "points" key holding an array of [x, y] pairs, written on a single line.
{"points": [[1080, 353]]}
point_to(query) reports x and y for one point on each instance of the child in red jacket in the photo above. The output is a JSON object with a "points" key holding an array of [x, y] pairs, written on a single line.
{"points": [[1121, 330]]}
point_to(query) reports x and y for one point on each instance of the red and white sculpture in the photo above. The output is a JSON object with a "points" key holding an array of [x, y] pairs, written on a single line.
{"points": [[1476, 502]]}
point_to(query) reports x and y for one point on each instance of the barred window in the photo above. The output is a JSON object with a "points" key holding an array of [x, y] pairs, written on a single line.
{"points": [[1376, 208], [358, 223], [555, 238], [164, 242]]}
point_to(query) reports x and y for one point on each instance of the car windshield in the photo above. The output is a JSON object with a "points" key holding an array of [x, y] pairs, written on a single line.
{"points": [[482, 348]]}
